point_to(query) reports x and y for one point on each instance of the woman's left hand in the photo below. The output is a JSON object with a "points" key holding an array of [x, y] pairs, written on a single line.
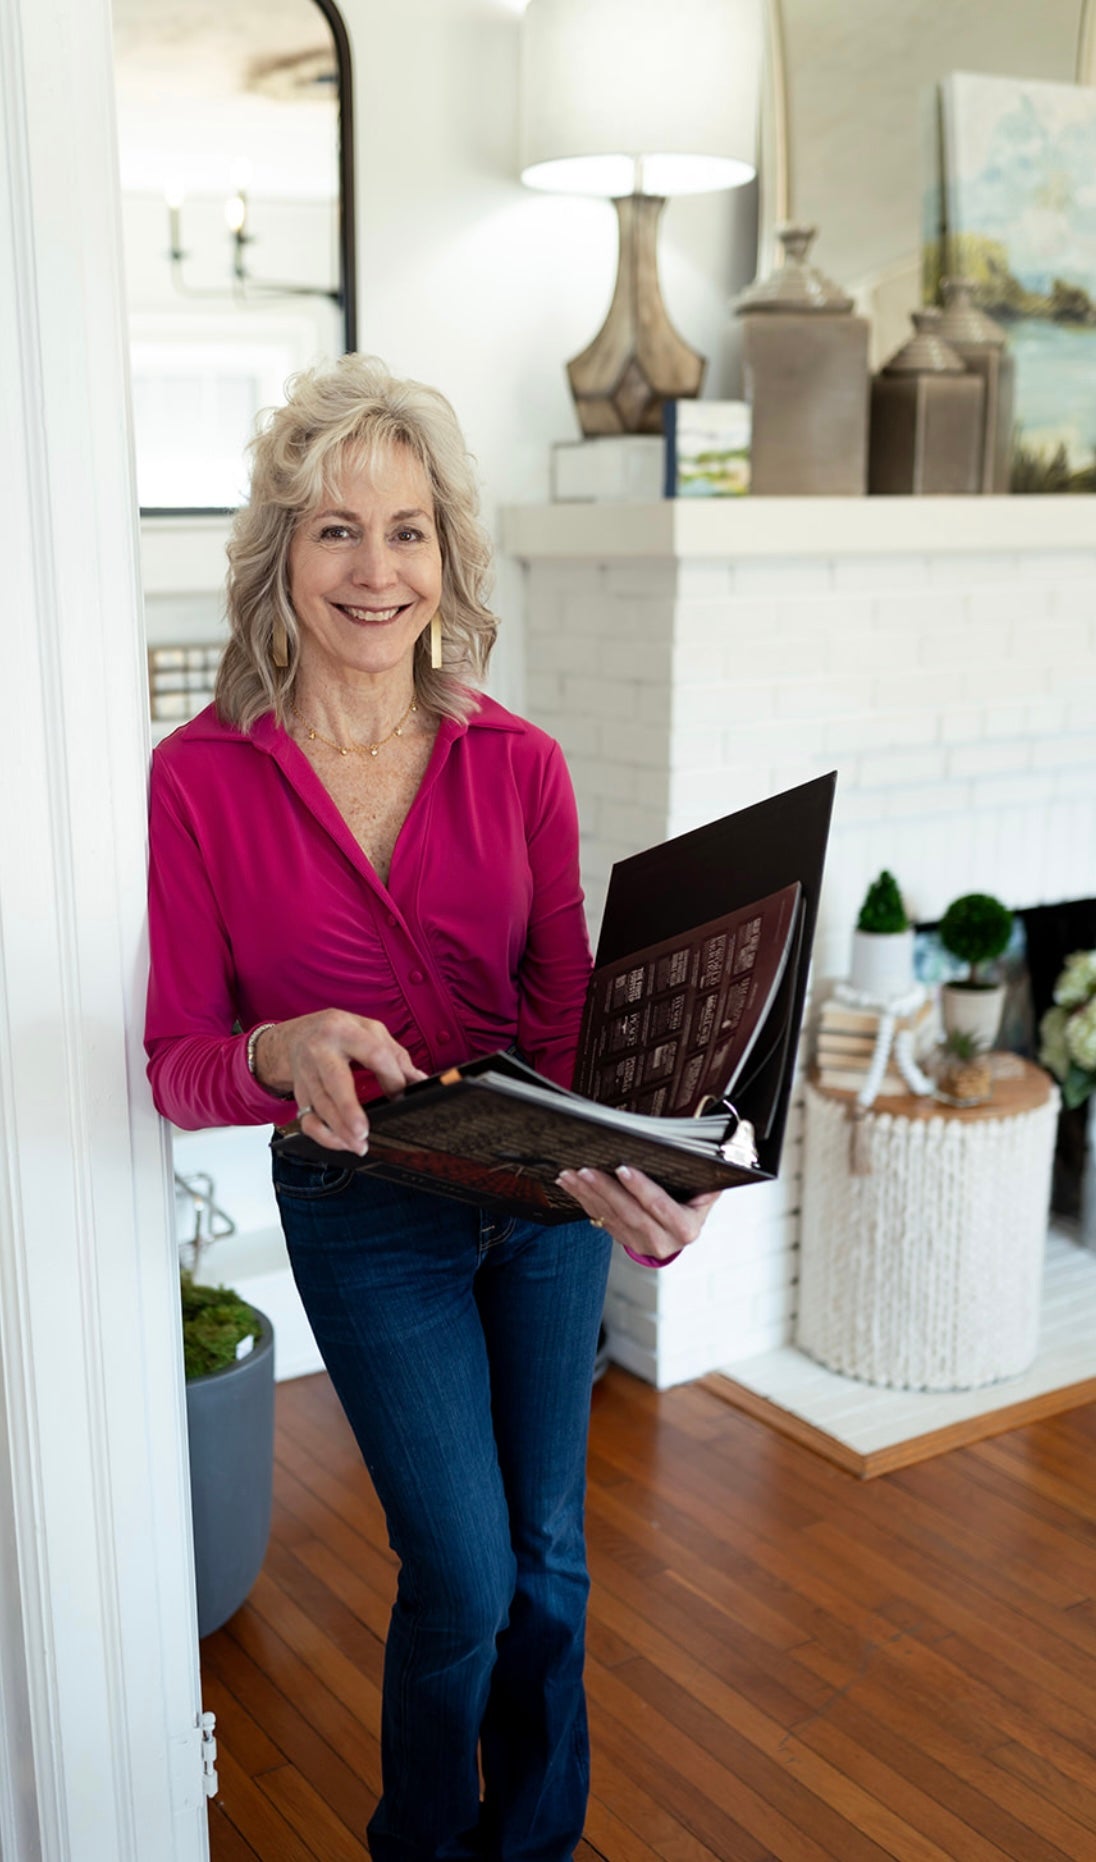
{"points": [[636, 1212]]}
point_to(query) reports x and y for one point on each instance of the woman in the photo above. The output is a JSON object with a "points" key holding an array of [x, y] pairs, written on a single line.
{"points": [[362, 871]]}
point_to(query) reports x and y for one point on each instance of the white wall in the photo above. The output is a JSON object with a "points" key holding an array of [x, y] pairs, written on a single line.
{"points": [[482, 287]]}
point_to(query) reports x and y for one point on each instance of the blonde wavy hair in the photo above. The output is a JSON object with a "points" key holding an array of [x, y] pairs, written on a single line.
{"points": [[341, 414]]}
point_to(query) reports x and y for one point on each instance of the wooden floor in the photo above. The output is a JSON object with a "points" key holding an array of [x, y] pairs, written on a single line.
{"points": [[786, 1664]]}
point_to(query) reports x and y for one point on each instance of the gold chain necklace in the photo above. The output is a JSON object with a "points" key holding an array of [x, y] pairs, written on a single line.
{"points": [[315, 736]]}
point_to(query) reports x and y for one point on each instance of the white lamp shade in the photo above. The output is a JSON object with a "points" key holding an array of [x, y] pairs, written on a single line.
{"points": [[670, 85]]}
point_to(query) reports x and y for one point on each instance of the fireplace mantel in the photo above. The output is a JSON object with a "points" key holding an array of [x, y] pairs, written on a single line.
{"points": [[741, 527], [694, 656]]}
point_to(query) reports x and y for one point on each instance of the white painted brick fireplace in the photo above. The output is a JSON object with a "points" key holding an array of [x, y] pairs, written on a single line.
{"points": [[939, 653]]}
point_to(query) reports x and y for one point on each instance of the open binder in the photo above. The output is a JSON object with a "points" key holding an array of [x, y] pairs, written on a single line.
{"points": [[688, 1044]]}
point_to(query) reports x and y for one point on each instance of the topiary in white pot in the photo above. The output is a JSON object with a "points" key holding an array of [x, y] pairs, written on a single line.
{"points": [[882, 943], [975, 928]]}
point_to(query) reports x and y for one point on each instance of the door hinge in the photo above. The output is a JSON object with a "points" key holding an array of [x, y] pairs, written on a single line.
{"points": [[209, 1755]]}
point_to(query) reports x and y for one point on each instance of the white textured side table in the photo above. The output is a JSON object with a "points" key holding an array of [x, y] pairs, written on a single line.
{"points": [[925, 1274]]}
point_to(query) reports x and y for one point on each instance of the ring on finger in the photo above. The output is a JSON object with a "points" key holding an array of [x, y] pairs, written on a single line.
{"points": [[303, 1112], [596, 1222]]}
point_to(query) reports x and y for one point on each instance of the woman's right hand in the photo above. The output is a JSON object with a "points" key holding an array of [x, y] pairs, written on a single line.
{"points": [[311, 1058]]}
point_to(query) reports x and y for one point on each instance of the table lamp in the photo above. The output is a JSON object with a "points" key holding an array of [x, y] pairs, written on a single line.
{"points": [[638, 100]]}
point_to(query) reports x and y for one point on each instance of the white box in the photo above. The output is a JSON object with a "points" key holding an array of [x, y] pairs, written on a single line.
{"points": [[626, 468]]}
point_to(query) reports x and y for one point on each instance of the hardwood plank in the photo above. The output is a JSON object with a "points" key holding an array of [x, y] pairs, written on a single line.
{"points": [[638, 1810], [695, 1556], [1036, 1661], [349, 1497], [305, 1811], [313, 1519], [248, 1807], [1024, 1823], [297, 1738], [785, 1421], [346, 1583], [696, 1795], [354, 1736], [225, 1842], [713, 1781], [796, 1592], [610, 1838], [850, 1822], [320, 1655], [1077, 1796], [645, 1624], [327, 1610], [248, 1741], [786, 1663]]}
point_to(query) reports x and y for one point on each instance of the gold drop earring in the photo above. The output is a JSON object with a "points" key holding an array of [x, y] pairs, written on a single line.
{"points": [[435, 641], [279, 643]]}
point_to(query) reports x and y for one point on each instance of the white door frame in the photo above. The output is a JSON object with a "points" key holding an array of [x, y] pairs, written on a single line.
{"points": [[99, 1686]]}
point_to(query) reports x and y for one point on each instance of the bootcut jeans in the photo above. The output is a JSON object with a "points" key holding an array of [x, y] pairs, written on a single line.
{"points": [[461, 1345]]}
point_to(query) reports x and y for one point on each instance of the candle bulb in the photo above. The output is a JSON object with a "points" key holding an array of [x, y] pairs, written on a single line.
{"points": [[236, 213], [174, 199]]}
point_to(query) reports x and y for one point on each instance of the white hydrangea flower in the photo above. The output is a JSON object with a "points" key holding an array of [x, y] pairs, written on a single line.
{"points": [[1053, 1048], [1080, 1034], [1077, 981]]}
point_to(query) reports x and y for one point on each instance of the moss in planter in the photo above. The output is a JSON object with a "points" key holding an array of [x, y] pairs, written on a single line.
{"points": [[215, 1320]]}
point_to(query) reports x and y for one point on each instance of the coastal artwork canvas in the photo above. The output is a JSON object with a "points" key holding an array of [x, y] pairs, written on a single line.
{"points": [[707, 448], [1012, 207]]}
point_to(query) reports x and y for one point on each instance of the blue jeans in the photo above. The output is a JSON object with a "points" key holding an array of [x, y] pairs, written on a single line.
{"points": [[462, 1347]]}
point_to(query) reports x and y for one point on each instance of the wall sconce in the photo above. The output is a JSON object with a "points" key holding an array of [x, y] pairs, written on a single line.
{"points": [[638, 100], [242, 284]]}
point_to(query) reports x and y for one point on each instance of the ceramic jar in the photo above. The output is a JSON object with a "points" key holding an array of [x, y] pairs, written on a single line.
{"points": [[927, 417], [805, 358], [983, 347]]}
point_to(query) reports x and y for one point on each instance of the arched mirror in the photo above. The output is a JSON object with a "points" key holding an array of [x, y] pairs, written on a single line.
{"points": [[235, 156]]}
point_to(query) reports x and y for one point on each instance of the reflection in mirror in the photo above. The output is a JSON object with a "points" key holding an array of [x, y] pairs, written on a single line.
{"points": [[235, 160], [851, 152]]}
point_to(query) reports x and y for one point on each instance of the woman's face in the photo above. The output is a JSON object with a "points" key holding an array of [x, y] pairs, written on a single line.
{"points": [[365, 573]]}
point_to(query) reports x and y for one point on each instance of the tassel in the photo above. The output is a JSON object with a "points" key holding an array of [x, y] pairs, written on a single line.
{"points": [[435, 641], [859, 1142], [279, 644]]}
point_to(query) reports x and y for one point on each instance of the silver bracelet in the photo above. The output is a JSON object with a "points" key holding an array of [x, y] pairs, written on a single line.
{"points": [[252, 1043]]}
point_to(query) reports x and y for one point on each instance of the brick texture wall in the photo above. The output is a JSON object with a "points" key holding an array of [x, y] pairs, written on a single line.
{"points": [[955, 695]]}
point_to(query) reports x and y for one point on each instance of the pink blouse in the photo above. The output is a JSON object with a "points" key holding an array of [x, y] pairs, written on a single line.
{"points": [[263, 906]]}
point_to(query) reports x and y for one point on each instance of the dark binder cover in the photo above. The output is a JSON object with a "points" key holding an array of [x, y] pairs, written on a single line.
{"points": [[716, 869], [696, 997]]}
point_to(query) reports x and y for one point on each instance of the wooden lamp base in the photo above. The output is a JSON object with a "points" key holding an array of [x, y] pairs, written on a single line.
{"points": [[637, 360]]}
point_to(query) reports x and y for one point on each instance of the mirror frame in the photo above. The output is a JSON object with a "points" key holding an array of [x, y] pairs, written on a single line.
{"points": [[347, 241]]}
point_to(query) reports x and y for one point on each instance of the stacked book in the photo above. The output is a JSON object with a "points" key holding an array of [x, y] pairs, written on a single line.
{"points": [[845, 1044]]}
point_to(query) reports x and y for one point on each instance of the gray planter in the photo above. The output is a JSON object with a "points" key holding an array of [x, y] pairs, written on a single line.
{"points": [[230, 1426]]}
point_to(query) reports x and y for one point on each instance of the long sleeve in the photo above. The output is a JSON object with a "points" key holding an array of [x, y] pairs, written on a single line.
{"points": [[197, 1065], [555, 967]]}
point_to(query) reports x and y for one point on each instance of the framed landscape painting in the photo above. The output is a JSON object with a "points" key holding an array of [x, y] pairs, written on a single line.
{"points": [[1013, 209], [707, 448]]}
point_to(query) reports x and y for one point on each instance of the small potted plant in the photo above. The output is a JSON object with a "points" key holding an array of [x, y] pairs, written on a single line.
{"points": [[228, 1352], [975, 928], [882, 943], [964, 1075]]}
